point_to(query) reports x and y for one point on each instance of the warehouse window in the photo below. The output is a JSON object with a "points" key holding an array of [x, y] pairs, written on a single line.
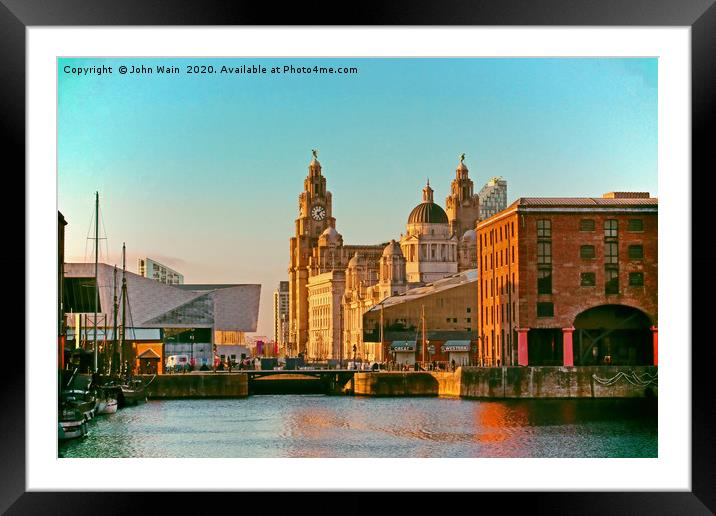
{"points": [[544, 229], [586, 225], [545, 310], [610, 228], [635, 225], [587, 279], [586, 252], [636, 252], [544, 253], [636, 279], [611, 252], [611, 281], [544, 281]]}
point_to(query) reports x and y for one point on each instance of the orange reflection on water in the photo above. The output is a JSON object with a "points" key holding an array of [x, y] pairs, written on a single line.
{"points": [[497, 421]]}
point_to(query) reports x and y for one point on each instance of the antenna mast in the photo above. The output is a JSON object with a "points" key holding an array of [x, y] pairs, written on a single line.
{"points": [[422, 317], [124, 306], [96, 282], [115, 306]]}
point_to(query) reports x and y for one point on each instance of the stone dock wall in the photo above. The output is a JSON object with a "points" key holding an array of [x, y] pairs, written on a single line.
{"points": [[198, 385], [515, 382]]}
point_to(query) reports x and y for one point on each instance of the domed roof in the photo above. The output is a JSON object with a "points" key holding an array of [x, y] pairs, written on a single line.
{"points": [[392, 249], [428, 212], [330, 237], [469, 235], [331, 232]]}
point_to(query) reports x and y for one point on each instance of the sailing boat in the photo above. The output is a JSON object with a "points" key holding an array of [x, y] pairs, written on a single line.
{"points": [[107, 394], [105, 399], [77, 404], [132, 389]]}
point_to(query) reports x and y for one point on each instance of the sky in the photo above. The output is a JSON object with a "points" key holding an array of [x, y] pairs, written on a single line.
{"points": [[202, 171]]}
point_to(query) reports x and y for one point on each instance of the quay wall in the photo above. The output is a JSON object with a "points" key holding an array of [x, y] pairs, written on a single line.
{"points": [[515, 382], [198, 385], [396, 384]]}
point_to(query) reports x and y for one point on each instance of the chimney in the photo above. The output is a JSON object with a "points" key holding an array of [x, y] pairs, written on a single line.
{"points": [[626, 195]]}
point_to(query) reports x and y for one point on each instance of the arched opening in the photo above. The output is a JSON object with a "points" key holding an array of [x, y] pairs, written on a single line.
{"points": [[613, 334]]}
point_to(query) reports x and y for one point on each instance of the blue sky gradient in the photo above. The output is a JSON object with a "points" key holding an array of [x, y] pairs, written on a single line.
{"points": [[203, 172]]}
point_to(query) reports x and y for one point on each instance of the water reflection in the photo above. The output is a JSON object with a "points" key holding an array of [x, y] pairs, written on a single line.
{"points": [[321, 426]]}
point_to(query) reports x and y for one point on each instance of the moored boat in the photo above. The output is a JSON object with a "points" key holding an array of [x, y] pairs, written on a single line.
{"points": [[72, 423], [106, 401], [133, 393], [81, 400]]}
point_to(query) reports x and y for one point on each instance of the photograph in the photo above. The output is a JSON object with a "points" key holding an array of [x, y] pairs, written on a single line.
{"points": [[357, 257]]}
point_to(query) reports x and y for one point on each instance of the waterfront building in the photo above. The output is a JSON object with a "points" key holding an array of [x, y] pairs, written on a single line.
{"points": [[61, 223], [280, 315], [493, 197], [325, 292], [367, 283], [569, 281], [429, 248], [189, 319], [315, 248], [436, 244], [443, 311], [149, 268]]}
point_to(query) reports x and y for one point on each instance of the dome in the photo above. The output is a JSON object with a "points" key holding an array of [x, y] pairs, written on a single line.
{"points": [[353, 262], [330, 237], [428, 212], [469, 235], [392, 249], [331, 233]]}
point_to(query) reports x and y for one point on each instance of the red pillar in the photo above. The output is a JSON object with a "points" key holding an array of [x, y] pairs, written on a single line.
{"points": [[568, 350], [655, 338], [522, 346]]}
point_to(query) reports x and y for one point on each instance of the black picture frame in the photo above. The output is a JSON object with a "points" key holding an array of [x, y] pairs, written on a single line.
{"points": [[700, 15]]}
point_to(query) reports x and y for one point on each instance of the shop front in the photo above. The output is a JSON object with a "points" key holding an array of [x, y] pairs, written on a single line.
{"points": [[403, 351], [457, 350]]}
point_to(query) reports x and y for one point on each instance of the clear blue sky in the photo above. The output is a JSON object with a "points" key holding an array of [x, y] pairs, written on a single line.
{"points": [[203, 172]]}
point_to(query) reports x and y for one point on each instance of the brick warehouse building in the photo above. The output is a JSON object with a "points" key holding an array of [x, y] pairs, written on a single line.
{"points": [[569, 281]]}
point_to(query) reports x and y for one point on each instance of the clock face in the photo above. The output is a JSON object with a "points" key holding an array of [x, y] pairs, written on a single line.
{"points": [[318, 213]]}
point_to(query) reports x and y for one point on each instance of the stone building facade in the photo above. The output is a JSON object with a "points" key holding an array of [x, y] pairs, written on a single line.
{"points": [[437, 321], [462, 205], [569, 281], [323, 269], [325, 293], [315, 249]]}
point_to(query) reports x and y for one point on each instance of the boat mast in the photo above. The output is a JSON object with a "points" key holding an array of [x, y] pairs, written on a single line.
{"points": [[124, 306], [422, 317], [115, 306], [96, 283]]}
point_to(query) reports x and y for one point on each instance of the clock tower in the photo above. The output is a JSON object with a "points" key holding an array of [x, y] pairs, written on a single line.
{"points": [[462, 205], [314, 216]]}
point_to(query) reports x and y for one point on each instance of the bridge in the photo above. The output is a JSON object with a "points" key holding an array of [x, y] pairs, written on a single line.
{"points": [[327, 381]]}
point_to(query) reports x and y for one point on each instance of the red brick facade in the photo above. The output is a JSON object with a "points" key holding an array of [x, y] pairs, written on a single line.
{"points": [[573, 244]]}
